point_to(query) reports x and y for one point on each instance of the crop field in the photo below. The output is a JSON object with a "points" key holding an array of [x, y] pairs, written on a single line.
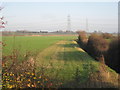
{"points": [[59, 58], [29, 43], [24, 45]]}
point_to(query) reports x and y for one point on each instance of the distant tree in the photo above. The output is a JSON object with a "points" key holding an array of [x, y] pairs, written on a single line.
{"points": [[96, 46], [95, 31]]}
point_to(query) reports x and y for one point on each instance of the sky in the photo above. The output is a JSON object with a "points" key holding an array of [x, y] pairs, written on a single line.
{"points": [[52, 16]]}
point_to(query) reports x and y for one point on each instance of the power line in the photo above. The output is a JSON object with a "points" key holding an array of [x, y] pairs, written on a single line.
{"points": [[68, 23]]}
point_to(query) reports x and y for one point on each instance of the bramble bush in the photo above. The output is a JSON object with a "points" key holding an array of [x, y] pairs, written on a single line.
{"points": [[82, 39], [107, 35], [101, 49], [97, 46]]}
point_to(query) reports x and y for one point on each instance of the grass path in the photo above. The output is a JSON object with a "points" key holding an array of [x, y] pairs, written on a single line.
{"points": [[65, 62], [61, 60]]}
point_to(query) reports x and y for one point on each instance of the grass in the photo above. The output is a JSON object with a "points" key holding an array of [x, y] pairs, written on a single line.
{"points": [[60, 58], [61, 61], [30, 44]]}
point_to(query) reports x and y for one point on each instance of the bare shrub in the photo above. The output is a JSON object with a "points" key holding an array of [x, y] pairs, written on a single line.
{"points": [[107, 35], [96, 46], [82, 39]]}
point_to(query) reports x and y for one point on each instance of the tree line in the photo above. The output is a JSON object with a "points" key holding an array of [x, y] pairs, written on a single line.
{"points": [[102, 47]]}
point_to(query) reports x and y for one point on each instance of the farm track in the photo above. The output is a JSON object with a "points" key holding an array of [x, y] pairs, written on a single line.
{"points": [[59, 53], [63, 57], [61, 60]]}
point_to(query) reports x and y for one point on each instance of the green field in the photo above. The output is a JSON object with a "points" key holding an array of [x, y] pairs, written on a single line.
{"points": [[29, 43], [60, 57], [61, 61]]}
